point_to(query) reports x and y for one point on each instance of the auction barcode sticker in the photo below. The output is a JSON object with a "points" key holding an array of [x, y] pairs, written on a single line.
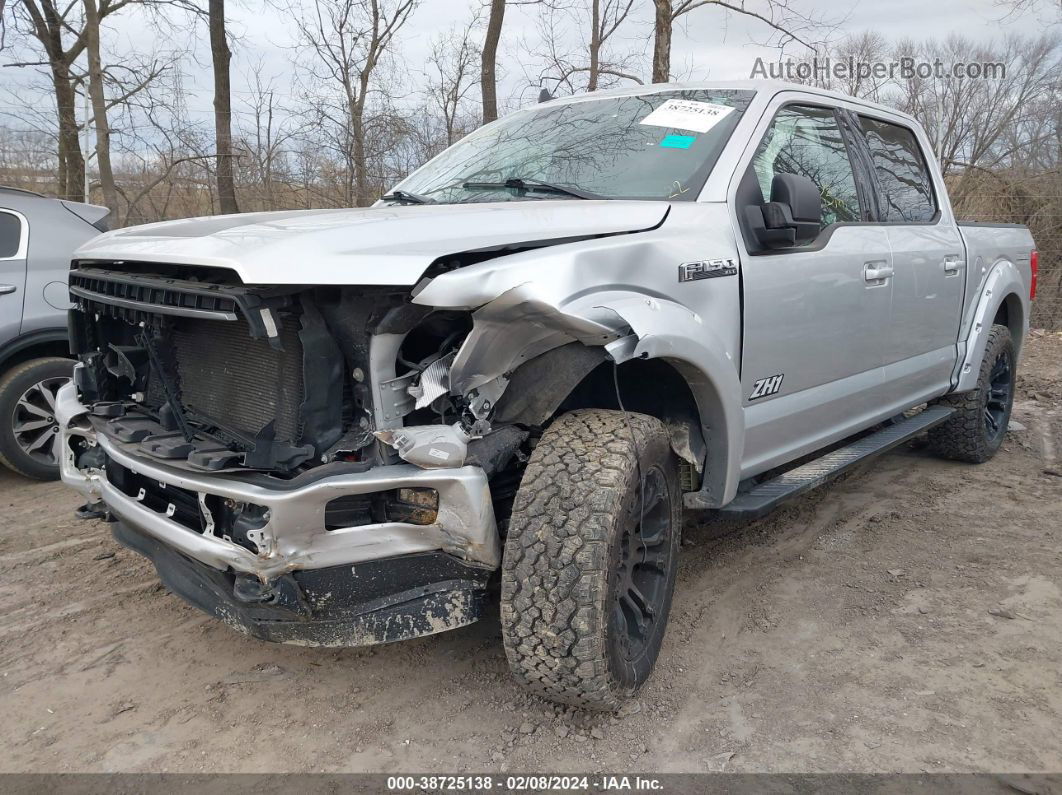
{"points": [[687, 114]]}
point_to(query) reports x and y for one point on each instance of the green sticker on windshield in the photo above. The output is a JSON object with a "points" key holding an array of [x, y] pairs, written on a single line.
{"points": [[678, 141]]}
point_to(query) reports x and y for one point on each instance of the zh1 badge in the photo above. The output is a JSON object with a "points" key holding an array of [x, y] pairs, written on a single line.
{"points": [[706, 269], [766, 386]]}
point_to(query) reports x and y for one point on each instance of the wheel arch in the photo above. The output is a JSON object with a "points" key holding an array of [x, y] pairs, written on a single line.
{"points": [[1011, 313], [34, 345], [700, 412]]}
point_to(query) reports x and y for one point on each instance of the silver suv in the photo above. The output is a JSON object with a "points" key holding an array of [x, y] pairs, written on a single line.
{"points": [[37, 238]]}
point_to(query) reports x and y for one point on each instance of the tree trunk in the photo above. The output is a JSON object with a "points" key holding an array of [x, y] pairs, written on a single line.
{"points": [[662, 41], [71, 162], [358, 156], [99, 106], [489, 61], [595, 45], [221, 55], [48, 31]]}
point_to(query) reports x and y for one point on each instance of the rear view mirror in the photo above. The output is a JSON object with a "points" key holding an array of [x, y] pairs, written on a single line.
{"points": [[792, 216]]}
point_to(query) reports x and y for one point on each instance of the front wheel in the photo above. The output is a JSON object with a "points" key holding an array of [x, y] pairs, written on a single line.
{"points": [[29, 431], [975, 431], [587, 577]]}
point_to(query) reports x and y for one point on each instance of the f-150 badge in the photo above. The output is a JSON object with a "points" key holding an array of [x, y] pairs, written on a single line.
{"points": [[766, 386], [706, 269]]}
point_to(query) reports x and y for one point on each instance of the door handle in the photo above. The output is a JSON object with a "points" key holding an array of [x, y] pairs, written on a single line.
{"points": [[952, 265], [7, 288], [876, 272]]}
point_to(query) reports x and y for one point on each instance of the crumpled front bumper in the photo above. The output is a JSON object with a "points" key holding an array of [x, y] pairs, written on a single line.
{"points": [[293, 536]]}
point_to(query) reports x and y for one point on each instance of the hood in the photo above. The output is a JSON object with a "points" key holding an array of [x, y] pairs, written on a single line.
{"points": [[370, 246]]}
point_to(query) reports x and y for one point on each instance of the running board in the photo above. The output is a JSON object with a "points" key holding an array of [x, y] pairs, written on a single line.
{"points": [[762, 499]]}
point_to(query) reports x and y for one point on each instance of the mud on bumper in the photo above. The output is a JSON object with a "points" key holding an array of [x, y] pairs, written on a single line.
{"points": [[294, 577], [377, 601]]}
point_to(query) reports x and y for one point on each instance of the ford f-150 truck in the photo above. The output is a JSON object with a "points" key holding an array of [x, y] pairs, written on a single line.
{"points": [[346, 427]]}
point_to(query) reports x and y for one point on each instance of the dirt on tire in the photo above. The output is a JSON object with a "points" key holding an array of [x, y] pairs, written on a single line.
{"points": [[963, 436], [905, 618], [577, 496]]}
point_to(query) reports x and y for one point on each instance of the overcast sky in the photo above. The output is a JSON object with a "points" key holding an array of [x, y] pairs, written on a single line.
{"points": [[709, 44]]}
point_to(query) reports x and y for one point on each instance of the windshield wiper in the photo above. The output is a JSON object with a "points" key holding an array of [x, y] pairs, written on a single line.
{"points": [[406, 197], [533, 184]]}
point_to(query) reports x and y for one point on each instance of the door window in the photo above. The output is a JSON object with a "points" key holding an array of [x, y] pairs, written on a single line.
{"points": [[807, 141], [10, 235], [904, 185]]}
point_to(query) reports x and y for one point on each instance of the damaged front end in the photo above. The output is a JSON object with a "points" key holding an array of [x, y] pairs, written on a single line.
{"points": [[293, 459]]}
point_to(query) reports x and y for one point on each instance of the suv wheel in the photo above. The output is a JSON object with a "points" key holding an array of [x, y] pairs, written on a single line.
{"points": [[586, 581], [29, 431], [976, 430]]}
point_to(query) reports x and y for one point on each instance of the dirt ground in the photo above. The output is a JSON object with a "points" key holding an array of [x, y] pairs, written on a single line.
{"points": [[906, 618]]}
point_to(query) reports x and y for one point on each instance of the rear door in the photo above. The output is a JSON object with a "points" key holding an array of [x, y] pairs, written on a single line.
{"points": [[14, 243], [928, 262], [815, 316]]}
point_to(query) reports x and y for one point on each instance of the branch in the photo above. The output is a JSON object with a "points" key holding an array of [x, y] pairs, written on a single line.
{"points": [[769, 22], [160, 179]]}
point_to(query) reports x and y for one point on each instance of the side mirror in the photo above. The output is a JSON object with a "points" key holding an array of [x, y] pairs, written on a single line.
{"points": [[791, 217]]}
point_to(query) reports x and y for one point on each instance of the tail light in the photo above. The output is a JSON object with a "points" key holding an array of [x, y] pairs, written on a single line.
{"points": [[1034, 267]]}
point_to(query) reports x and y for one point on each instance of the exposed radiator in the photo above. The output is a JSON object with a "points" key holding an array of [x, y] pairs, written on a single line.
{"points": [[238, 382]]}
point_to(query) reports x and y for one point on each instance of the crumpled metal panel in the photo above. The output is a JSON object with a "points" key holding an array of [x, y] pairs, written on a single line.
{"points": [[434, 381]]}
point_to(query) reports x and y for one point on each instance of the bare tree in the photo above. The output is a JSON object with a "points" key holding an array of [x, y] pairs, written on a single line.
{"points": [[967, 119], [99, 104], [270, 131], [783, 20], [64, 33], [865, 48], [348, 39], [488, 78], [220, 56], [1045, 9], [452, 76], [488, 71], [51, 23], [595, 64]]}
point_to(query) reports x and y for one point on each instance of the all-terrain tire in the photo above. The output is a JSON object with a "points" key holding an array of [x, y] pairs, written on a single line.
{"points": [[13, 386], [967, 435], [567, 557]]}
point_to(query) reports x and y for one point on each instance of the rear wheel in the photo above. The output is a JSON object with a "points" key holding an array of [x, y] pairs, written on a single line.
{"points": [[587, 578], [976, 430], [29, 430]]}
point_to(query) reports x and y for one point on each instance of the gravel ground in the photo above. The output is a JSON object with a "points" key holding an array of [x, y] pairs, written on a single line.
{"points": [[905, 618]]}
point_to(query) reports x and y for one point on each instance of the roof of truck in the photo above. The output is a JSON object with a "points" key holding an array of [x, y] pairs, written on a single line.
{"points": [[769, 87]]}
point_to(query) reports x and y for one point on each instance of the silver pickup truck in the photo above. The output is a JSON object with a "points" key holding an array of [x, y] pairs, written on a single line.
{"points": [[519, 368]]}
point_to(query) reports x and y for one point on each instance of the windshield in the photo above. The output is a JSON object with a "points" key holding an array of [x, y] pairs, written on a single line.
{"points": [[654, 146]]}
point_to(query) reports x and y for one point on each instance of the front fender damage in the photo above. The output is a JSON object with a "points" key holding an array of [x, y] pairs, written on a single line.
{"points": [[519, 325], [521, 329]]}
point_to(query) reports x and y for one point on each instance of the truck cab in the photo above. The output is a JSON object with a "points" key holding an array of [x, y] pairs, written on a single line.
{"points": [[340, 427]]}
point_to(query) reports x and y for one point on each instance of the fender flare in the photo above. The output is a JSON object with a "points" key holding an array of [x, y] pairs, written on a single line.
{"points": [[1002, 281]]}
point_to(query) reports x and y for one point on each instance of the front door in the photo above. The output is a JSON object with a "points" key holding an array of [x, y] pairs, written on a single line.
{"points": [[14, 238], [815, 316]]}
